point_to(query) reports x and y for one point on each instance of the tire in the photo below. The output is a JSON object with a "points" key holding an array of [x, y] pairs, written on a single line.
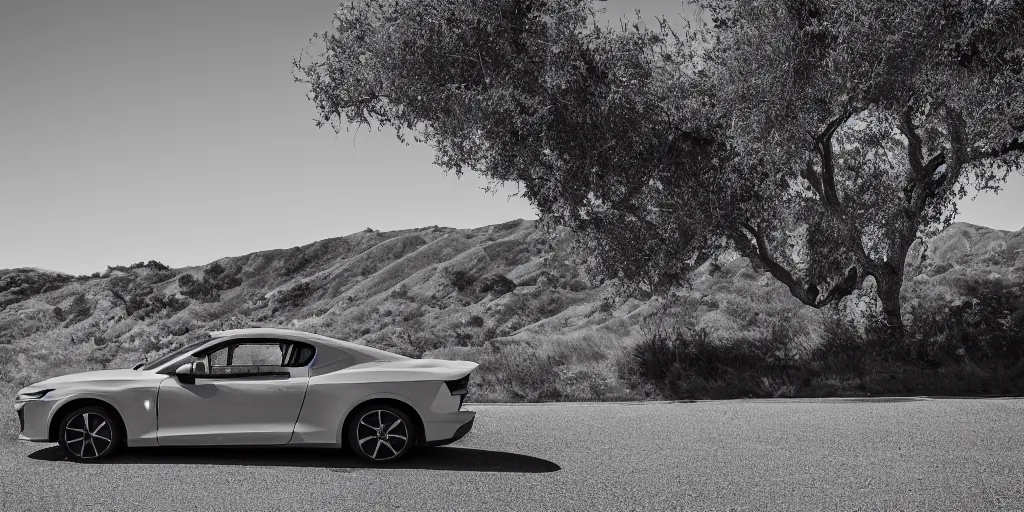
{"points": [[386, 433], [103, 439]]}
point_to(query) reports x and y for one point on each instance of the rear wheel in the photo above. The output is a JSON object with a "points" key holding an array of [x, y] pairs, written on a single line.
{"points": [[89, 433], [381, 433]]}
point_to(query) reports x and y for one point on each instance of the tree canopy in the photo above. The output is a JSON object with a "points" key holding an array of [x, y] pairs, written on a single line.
{"points": [[819, 138]]}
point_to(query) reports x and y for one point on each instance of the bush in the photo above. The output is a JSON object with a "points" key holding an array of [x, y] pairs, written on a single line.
{"points": [[292, 297], [520, 374], [584, 383], [692, 365], [21, 284], [842, 345], [497, 283], [215, 280], [79, 310], [576, 285], [401, 292], [988, 324], [462, 280], [169, 302]]}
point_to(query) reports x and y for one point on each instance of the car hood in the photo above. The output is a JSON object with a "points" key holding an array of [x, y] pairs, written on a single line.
{"points": [[93, 376]]}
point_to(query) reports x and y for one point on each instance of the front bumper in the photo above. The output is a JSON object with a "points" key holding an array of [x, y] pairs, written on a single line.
{"points": [[33, 419]]}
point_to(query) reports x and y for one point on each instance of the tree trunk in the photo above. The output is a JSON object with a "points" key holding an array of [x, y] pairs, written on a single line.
{"points": [[889, 285]]}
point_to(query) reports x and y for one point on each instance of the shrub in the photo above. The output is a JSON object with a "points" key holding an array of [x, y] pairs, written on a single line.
{"points": [[476, 321], [462, 280], [691, 365], [292, 297], [583, 383], [576, 285], [202, 291], [504, 226], [497, 283], [489, 333], [521, 374], [400, 292], [21, 284], [842, 344], [215, 280], [986, 325], [170, 302], [151, 264], [79, 310], [417, 311], [131, 293]]}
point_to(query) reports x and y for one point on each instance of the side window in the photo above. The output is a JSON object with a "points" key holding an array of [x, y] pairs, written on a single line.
{"points": [[220, 357], [268, 354], [256, 356]]}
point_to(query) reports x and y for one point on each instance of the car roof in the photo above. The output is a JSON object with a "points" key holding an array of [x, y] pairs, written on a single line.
{"points": [[315, 339]]}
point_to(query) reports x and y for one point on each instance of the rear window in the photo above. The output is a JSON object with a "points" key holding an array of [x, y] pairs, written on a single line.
{"points": [[299, 355]]}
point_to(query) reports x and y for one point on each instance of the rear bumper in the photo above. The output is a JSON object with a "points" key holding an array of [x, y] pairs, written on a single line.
{"points": [[459, 434]]}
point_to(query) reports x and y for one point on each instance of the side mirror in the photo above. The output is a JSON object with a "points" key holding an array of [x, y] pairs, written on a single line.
{"points": [[186, 373]]}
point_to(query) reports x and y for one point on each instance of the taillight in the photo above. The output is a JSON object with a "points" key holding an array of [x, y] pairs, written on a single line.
{"points": [[459, 387]]}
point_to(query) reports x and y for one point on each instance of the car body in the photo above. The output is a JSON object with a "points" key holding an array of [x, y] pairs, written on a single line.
{"points": [[255, 387]]}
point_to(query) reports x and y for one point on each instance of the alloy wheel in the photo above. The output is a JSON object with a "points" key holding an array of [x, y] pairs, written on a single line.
{"points": [[381, 434], [88, 435]]}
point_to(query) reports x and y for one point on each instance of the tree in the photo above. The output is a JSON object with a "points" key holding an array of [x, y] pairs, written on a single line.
{"points": [[817, 138], [868, 119]]}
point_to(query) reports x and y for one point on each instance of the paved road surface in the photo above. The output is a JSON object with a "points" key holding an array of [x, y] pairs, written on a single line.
{"points": [[735, 455]]}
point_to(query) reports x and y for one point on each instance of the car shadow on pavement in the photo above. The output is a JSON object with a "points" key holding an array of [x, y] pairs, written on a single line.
{"points": [[441, 458]]}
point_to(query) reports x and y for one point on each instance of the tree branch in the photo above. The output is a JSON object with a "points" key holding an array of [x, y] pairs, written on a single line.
{"points": [[823, 145], [808, 295], [915, 151], [996, 152], [811, 175], [777, 271]]}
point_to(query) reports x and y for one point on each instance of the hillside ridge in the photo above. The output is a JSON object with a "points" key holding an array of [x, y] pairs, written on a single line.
{"points": [[427, 292]]}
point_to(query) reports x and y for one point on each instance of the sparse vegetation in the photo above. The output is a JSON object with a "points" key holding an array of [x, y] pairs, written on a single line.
{"points": [[971, 348]]}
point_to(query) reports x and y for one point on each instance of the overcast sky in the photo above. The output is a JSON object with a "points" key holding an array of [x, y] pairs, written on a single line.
{"points": [[133, 130]]}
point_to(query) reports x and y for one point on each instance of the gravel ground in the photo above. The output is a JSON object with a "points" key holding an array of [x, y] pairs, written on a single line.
{"points": [[730, 455]]}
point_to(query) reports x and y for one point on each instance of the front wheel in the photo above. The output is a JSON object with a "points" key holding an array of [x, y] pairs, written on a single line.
{"points": [[381, 433], [88, 434]]}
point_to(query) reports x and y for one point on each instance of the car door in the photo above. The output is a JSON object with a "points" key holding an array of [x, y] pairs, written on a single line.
{"points": [[246, 392]]}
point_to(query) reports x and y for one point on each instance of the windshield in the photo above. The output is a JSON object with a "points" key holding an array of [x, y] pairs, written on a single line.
{"points": [[174, 355]]}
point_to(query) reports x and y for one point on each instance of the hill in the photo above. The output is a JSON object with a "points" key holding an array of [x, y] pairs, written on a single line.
{"points": [[508, 296]]}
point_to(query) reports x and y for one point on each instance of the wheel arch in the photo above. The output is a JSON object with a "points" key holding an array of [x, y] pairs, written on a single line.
{"points": [[405, 407], [77, 403]]}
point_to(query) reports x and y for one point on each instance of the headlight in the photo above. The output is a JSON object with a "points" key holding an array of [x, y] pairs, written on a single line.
{"points": [[32, 395]]}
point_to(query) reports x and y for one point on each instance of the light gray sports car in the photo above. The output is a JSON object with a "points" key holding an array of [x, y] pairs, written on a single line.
{"points": [[255, 387]]}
